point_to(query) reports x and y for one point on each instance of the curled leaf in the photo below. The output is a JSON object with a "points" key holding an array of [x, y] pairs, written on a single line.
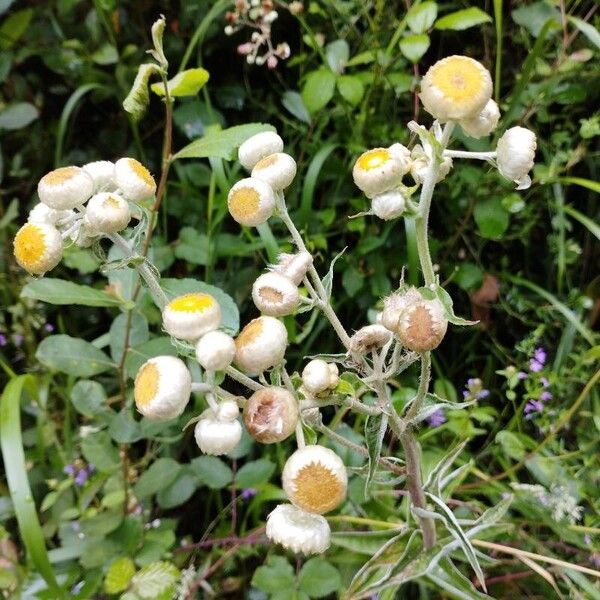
{"points": [[138, 98]]}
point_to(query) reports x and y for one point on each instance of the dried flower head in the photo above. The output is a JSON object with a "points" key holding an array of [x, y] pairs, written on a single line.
{"points": [[369, 338], [260, 345], [190, 316], [394, 304], [319, 376], [107, 212], [293, 266], [298, 530], [38, 247], [423, 325], [133, 180], [251, 201], [271, 415], [516, 154], [275, 295], [215, 351], [65, 188]]}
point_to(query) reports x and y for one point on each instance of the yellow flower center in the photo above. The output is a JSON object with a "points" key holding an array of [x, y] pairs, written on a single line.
{"points": [[146, 384], [244, 202], [29, 244], [111, 202], [317, 489], [59, 176], [249, 333], [192, 303], [459, 78], [266, 162], [373, 159], [140, 170]]}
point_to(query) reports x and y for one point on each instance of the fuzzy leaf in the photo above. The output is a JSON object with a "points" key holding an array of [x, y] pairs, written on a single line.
{"points": [[186, 83], [73, 356], [449, 578], [375, 428], [119, 575], [155, 581], [59, 291], [138, 98]]}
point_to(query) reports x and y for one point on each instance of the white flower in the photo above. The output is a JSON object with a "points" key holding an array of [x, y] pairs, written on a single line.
{"points": [[456, 87], [319, 376], [271, 415], [107, 212], [258, 147], [483, 123], [228, 410], [38, 247], [42, 213], [101, 172], [134, 180], [369, 338], [260, 345], [215, 351], [275, 295], [251, 201], [190, 316], [293, 266], [314, 479], [65, 188], [423, 325], [215, 435], [297, 530], [278, 170], [381, 169], [162, 388], [420, 164], [394, 304], [388, 205], [516, 153]]}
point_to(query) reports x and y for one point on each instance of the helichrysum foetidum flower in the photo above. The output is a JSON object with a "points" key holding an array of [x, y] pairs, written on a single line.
{"points": [[162, 388], [389, 205], [251, 201], [515, 155], [394, 304], [319, 376], [314, 479], [38, 247], [297, 530], [133, 179], [369, 338], [381, 169], [278, 170], [42, 213], [260, 345], [422, 325], [293, 266], [65, 188], [102, 174], [107, 212], [190, 316], [271, 415], [483, 123], [420, 164], [257, 147], [456, 87], [218, 432], [215, 350], [275, 295]]}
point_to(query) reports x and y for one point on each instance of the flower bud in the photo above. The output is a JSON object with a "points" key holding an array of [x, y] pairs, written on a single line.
{"points": [[314, 479], [456, 87], [260, 345], [101, 172], [38, 247], [275, 295], [368, 339], [190, 316], [162, 388], [278, 170], [134, 180], [381, 169], [257, 147], [483, 123], [271, 415], [65, 188], [388, 205], [293, 266], [107, 212], [516, 153], [423, 325], [228, 410], [319, 376], [420, 164], [215, 351], [297, 530], [393, 306], [42, 213], [251, 201], [216, 436]]}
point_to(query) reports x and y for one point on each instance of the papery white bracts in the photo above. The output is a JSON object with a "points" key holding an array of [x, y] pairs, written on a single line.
{"points": [[298, 530]]}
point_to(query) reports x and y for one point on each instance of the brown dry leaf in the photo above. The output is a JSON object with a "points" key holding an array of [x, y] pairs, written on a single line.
{"points": [[483, 298]]}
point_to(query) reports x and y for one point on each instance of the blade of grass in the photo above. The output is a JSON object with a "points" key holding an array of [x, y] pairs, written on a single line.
{"points": [[580, 181], [593, 227], [498, 67], [13, 455]]}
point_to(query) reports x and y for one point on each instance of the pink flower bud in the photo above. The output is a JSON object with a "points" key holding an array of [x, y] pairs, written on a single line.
{"points": [[244, 49], [272, 62]]}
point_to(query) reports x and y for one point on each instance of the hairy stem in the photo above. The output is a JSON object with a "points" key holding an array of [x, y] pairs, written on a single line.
{"points": [[243, 379]]}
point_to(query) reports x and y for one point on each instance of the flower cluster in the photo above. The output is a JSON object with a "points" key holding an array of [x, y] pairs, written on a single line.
{"points": [[80, 204], [79, 471], [558, 500]]}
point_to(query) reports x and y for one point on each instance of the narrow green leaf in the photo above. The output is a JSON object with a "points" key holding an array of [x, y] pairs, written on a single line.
{"points": [[590, 32], [593, 227], [375, 428], [186, 83], [463, 19], [586, 183], [449, 578], [62, 292]]}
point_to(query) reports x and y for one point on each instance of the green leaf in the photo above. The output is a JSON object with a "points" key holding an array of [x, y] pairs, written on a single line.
{"points": [[590, 32], [107, 54], [447, 577], [511, 444], [275, 576], [420, 17], [59, 291], [414, 46], [89, 398], [591, 225], [222, 143], [193, 246], [351, 88], [138, 334], [468, 276], [13, 27], [254, 473], [179, 491], [72, 356], [18, 115], [124, 429], [98, 449], [11, 444], [292, 101], [212, 471], [119, 575], [155, 581], [186, 83], [318, 89], [138, 98], [318, 578], [337, 54], [491, 218], [534, 15], [230, 316], [375, 429], [161, 473], [463, 19]]}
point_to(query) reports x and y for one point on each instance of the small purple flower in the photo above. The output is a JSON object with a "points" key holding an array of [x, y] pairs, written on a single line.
{"points": [[472, 381], [18, 339], [535, 366], [482, 394], [248, 493], [81, 477], [540, 355], [49, 327], [544, 381], [532, 407], [521, 375], [545, 396], [437, 418], [3, 340], [69, 470], [465, 393]]}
